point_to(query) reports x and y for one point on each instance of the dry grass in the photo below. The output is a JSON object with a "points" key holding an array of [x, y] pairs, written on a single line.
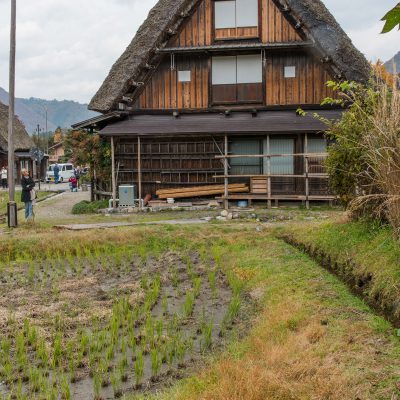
{"points": [[381, 146]]}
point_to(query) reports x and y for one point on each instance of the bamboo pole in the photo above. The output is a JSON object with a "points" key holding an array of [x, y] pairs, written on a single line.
{"points": [[307, 172], [269, 182], [114, 183], [12, 206], [226, 172], [140, 171]]}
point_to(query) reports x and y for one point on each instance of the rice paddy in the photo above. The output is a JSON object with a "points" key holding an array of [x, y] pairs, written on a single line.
{"points": [[96, 325]]}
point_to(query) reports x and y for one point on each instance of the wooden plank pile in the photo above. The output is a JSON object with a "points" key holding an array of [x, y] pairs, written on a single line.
{"points": [[201, 191]]}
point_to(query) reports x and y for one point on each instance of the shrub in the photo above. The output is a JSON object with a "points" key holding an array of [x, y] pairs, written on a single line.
{"points": [[364, 160], [86, 207]]}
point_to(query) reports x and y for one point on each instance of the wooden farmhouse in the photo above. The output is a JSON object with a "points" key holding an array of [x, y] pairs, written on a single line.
{"points": [[207, 93], [23, 145]]}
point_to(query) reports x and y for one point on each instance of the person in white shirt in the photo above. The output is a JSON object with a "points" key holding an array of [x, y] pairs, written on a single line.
{"points": [[4, 178]]}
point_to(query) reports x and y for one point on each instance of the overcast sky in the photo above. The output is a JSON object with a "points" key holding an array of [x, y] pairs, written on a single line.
{"points": [[66, 47]]}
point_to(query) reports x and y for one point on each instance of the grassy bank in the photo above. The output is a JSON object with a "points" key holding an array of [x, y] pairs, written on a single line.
{"points": [[367, 256], [4, 200], [312, 339]]}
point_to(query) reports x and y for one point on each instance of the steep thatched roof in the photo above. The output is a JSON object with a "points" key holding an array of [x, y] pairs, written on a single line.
{"points": [[167, 16], [22, 141]]}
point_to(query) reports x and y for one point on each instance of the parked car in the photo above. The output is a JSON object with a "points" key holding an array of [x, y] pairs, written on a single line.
{"points": [[66, 172]]}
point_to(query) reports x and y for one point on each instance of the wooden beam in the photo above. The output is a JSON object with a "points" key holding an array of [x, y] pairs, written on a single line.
{"points": [[113, 177], [140, 171], [226, 172]]}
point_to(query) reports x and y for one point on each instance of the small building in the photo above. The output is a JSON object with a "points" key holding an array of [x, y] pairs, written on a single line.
{"points": [[23, 144], [207, 93], [56, 153]]}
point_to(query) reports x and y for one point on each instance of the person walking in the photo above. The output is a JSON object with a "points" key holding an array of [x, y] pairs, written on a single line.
{"points": [[28, 193], [56, 173], [4, 177]]}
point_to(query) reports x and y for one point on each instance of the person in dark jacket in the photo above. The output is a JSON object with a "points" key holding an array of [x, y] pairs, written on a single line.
{"points": [[56, 174], [27, 184]]}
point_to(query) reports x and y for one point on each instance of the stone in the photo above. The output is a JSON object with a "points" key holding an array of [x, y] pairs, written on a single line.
{"points": [[224, 213], [220, 218], [235, 216], [229, 217]]}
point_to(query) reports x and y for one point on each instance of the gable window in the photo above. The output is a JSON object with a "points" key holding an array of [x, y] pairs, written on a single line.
{"points": [[236, 19], [290, 72], [184, 76], [237, 79]]}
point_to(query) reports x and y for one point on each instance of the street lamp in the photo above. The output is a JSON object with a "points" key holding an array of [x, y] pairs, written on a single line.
{"points": [[12, 205]]}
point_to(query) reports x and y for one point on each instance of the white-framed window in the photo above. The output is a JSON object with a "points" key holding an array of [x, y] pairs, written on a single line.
{"points": [[236, 14], [233, 70], [184, 76], [290, 71]]}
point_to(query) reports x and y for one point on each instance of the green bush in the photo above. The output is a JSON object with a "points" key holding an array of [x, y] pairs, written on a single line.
{"points": [[86, 207]]}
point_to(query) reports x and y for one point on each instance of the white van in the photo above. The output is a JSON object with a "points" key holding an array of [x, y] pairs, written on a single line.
{"points": [[66, 172]]}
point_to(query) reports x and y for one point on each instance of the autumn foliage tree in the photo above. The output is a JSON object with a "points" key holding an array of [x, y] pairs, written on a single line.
{"points": [[89, 149]]}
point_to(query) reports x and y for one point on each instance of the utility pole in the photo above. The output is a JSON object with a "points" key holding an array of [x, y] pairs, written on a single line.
{"points": [[12, 206]]}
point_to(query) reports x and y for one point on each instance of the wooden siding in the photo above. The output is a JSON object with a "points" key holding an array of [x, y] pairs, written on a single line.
{"points": [[199, 29], [164, 92], [308, 87]]}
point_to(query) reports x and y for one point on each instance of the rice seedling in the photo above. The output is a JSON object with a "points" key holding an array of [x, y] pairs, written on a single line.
{"points": [[116, 383], [206, 340], [159, 328], [188, 304], [180, 351], [212, 280], [57, 350], [139, 368], [65, 389], [197, 282], [165, 305], [97, 386], [155, 363], [123, 365]]}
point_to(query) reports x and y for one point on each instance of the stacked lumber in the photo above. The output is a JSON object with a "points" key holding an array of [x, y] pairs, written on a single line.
{"points": [[201, 191], [259, 185]]}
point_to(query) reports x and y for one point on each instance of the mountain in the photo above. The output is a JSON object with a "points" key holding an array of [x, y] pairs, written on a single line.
{"points": [[60, 113], [389, 64]]}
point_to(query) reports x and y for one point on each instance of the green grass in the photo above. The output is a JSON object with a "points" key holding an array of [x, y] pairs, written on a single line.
{"points": [[366, 252], [311, 338], [4, 199]]}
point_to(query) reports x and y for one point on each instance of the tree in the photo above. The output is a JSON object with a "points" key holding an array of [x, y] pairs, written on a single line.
{"points": [[392, 19], [89, 149]]}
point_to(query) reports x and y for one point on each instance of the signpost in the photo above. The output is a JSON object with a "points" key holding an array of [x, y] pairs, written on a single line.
{"points": [[12, 205]]}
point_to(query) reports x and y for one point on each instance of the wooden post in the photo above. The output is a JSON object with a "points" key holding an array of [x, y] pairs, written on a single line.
{"points": [[114, 183], [12, 206], [226, 172], [269, 183], [140, 171], [307, 171]]}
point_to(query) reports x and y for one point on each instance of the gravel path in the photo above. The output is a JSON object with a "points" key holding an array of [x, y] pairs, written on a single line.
{"points": [[59, 207]]}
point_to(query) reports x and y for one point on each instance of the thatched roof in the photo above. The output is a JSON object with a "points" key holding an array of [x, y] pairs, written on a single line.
{"points": [[22, 141], [167, 16]]}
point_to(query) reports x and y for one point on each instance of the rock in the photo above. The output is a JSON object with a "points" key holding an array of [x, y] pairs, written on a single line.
{"points": [[235, 215], [208, 219], [229, 217], [224, 213], [220, 218], [259, 229]]}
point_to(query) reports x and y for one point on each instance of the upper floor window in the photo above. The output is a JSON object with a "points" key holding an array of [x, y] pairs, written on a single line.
{"points": [[237, 79], [236, 19]]}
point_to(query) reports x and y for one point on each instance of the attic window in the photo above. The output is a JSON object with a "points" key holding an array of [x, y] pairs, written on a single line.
{"points": [[236, 18], [184, 76], [290, 72]]}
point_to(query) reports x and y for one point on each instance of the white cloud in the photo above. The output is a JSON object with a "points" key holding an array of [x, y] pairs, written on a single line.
{"points": [[66, 47]]}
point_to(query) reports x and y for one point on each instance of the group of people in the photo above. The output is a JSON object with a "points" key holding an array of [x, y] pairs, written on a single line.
{"points": [[4, 177]]}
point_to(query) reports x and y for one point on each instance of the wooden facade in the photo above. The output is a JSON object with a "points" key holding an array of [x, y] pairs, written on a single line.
{"points": [[216, 101]]}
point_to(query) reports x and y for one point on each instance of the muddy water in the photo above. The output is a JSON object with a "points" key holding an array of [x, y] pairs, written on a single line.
{"points": [[90, 287]]}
